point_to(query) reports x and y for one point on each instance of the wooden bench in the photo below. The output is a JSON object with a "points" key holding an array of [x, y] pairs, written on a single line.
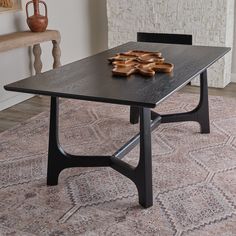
{"points": [[27, 39]]}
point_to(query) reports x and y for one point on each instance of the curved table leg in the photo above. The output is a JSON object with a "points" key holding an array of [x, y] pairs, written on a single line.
{"points": [[58, 159], [200, 114], [143, 172]]}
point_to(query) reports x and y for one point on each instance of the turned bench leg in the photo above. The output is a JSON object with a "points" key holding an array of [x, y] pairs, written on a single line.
{"points": [[56, 53], [38, 65]]}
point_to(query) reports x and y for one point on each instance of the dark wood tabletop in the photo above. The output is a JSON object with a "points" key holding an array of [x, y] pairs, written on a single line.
{"points": [[91, 78]]}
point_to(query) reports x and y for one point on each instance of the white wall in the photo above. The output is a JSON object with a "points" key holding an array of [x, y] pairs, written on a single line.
{"points": [[234, 51], [83, 27], [198, 18]]}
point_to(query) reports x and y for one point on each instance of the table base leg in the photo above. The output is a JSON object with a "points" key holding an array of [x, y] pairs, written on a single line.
{"points": [[142, 174], [200, 114], [58, 159], [134, 115]]}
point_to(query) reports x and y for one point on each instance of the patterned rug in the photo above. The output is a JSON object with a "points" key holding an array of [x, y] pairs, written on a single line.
{"points": [[194, 175]]}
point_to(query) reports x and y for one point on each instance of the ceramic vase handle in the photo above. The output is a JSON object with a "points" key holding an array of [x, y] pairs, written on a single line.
{"points": [[31, 2], [26, 8], [46, 8]]}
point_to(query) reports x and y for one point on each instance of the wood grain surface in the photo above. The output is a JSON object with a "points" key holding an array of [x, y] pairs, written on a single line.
{"points": [[19, 113], [27, 38], [91, 78]]}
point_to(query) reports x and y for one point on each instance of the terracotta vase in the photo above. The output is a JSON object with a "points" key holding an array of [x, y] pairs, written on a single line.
{"points": [[37, 22]]}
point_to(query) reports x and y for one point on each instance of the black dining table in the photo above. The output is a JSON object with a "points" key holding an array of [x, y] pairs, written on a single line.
{"points": [[91, 79]]}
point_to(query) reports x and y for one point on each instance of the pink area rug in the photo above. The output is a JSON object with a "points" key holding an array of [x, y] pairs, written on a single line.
{"points": [[194, 175]]}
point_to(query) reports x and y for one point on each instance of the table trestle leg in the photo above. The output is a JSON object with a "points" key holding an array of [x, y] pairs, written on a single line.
{"points": [[143, 172], [141, 175], [58, 159], [134, 115], [200, 114]]}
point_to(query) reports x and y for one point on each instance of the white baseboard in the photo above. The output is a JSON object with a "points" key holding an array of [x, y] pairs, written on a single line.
{"points": [[233, 77], [14, 100]]}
